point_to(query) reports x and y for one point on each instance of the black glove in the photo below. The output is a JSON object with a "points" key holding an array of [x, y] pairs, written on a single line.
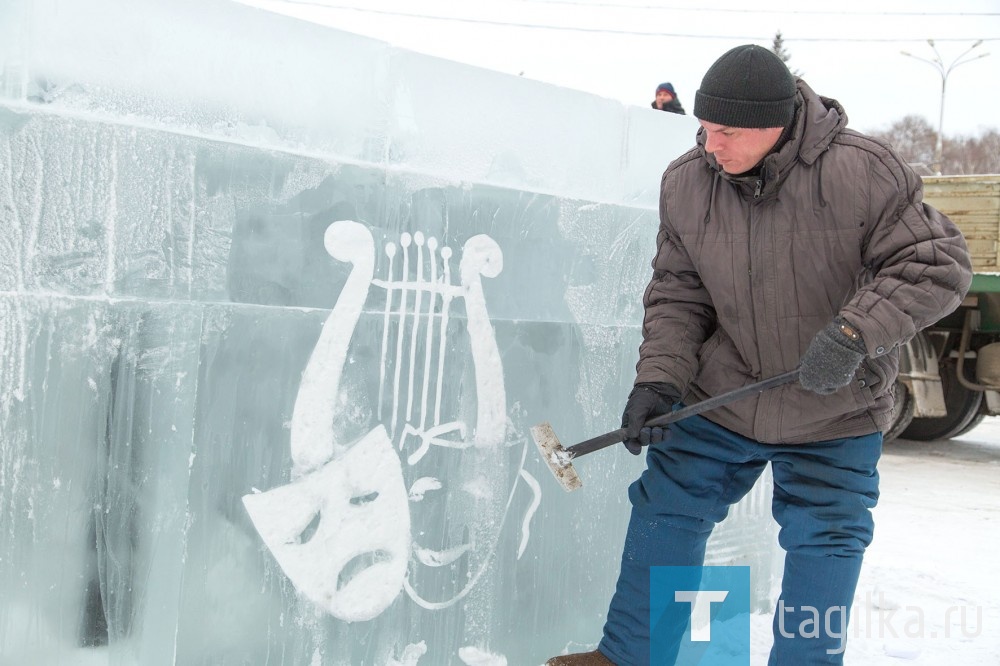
{"points": [[646, 402], [832, 358]]}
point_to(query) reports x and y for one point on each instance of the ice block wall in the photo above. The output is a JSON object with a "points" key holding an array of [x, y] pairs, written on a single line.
{"points": [[278, 305]]}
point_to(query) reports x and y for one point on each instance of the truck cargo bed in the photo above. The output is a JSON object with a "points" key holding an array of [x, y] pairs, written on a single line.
{"points": [[973, 203]]}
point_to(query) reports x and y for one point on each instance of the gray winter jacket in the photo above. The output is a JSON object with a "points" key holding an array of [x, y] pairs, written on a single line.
{"points": [[748, 270]]}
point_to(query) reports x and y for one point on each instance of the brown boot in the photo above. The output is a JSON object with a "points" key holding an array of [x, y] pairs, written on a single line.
{"points": [[595, 658]]}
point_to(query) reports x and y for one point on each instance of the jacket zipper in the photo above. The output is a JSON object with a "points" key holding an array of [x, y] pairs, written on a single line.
{"points": [[753, 312], [750, 265], [758, 186]]}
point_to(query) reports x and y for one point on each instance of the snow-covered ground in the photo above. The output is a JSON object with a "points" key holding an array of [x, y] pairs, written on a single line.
{"points": [[930, 589]]}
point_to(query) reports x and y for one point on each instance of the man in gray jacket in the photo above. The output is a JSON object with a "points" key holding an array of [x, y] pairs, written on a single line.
{"points": [[786, 240]]}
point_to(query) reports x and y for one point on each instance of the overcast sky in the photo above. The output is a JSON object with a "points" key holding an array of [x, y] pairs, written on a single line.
{"points": [[622, 49]]}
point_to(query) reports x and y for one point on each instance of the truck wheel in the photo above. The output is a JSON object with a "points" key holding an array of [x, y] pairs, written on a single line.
{"points": [[961, 403], [976, 420], [902, 412]]}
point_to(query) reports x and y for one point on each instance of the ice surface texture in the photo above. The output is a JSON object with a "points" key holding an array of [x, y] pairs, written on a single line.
{"points": [[277, 307]]}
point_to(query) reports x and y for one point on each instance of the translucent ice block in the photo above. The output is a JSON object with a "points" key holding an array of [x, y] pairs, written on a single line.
{"points": [[278, 305]]}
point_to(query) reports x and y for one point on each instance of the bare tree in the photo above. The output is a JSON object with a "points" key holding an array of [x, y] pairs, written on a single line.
{"points": [[982, 154], [913, 137], [956, 155]]}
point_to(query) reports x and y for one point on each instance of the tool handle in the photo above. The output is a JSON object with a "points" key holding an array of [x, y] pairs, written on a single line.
{"points": [[609, 438]]}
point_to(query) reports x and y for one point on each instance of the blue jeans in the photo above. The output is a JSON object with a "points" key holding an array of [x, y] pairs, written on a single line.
{"points": [[823, 496]]}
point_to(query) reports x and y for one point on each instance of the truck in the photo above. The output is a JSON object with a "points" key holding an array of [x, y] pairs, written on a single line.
{"points": [[949, 373]]}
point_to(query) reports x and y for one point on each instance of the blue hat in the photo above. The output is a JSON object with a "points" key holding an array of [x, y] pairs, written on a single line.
{"points": [[669, 87]]}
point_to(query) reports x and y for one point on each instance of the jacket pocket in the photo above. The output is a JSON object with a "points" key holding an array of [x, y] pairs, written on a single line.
{"points": [[709, 347], [720, 366], [879, 374]]}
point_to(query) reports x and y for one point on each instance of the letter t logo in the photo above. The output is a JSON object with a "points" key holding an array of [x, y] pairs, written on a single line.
{"points": [[701, 610]]}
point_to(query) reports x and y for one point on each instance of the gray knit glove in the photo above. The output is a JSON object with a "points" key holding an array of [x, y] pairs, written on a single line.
{"points": [[832, 358]]}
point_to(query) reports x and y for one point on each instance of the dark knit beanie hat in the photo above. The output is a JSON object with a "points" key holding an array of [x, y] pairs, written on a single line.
{"points": [[669, 87], [749, 86]]}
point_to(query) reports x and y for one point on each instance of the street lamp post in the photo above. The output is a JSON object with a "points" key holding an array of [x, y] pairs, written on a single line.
{"points": [[944, 71]]}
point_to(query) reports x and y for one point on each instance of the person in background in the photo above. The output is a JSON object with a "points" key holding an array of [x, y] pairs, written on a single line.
{"points": [[786, 241], [666, 99]]}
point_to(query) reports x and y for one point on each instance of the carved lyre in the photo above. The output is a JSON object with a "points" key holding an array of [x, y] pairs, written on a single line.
{"points": [[425, 325], [341, 529]]}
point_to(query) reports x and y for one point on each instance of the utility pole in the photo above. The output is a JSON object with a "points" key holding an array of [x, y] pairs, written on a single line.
{"points": [[944, 71]]}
